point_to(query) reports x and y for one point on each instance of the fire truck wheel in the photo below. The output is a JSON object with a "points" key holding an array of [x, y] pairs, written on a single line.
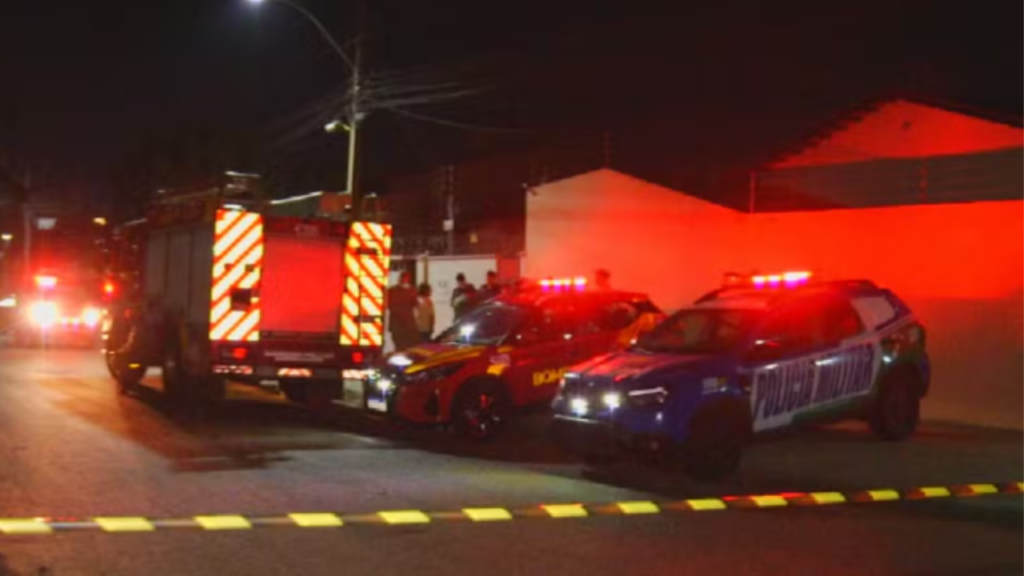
{"points": [[127, 377], [210, 391], [480, 408], [173, 375], [294, 390]]}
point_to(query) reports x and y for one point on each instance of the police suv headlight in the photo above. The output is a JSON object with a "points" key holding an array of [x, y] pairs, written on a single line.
{"points": [[612, 400], [654, 396], [433, 374]]}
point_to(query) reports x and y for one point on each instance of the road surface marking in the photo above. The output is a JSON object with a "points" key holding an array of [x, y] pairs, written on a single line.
{"points": [[129, 524]]}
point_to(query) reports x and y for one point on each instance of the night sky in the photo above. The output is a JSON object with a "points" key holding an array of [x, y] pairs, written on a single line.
{"points": [[91, 90]]}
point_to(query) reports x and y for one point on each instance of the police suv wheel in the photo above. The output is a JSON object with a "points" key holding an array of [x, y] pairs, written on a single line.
{"points": [[480, 409], [714, 446], [897, 408]]}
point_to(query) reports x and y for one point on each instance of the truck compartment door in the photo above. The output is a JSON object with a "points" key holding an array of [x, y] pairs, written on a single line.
{"points": [[302, 284]]}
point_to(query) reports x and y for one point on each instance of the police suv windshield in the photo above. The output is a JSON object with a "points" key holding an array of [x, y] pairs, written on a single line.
{"points": [[485, 326], [710, 330]]}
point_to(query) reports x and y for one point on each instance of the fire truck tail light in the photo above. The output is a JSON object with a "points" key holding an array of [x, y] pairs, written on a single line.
{"points": [[358, 357]]}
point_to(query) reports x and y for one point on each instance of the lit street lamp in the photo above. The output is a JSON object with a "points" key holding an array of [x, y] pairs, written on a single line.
{"points": [[355, 115]]}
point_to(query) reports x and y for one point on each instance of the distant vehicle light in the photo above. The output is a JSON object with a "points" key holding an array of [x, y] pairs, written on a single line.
{"points": [[6, 237], [99, 221], [91, 317], [44, 314], [109, 288], [46, 282], [9, 302]]}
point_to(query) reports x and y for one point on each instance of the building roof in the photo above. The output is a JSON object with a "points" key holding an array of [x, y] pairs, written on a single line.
{"points": [[904, 128]]}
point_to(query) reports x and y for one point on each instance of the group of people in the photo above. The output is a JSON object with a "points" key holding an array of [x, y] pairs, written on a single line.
{"points": [[411, 309]]}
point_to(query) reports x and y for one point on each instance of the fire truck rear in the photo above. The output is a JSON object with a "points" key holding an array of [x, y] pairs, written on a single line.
{"points": [[216, 291]]}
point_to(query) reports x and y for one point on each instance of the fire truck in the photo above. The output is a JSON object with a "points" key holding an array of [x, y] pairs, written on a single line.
{"points": [[52, 278], [213, 285]]}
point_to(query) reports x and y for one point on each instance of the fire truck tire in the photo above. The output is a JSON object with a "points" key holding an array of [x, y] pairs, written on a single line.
{"points": [[293, 389], [173, 374], [480, 408], [127, 377]]}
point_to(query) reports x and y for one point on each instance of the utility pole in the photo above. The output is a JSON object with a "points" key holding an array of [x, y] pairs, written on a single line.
{"points": [[354, 115]]}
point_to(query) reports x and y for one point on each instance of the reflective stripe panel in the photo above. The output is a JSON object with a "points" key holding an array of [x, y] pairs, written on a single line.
{"points": [[367, 259], [237, 265]]}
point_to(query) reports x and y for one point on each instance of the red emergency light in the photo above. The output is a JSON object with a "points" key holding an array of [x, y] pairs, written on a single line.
{"points": [[787, 279], [578, 283], [46, 282], [108, 288]]}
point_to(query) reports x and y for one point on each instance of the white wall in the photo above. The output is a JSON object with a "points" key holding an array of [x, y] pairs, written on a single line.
{"points": [[652, 239]]}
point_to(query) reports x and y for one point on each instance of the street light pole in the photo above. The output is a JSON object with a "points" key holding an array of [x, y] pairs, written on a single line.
{"points": [[355, 112]]}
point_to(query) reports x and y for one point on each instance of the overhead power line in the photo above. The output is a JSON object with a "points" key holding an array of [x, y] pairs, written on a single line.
{"points": [[455, 123]]}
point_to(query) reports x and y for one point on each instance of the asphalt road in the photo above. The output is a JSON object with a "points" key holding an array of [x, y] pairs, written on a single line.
{"points": [[70, 446]]}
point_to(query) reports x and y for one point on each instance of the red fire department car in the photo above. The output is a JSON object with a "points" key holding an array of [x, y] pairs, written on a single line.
{"points": [[508, 353]]}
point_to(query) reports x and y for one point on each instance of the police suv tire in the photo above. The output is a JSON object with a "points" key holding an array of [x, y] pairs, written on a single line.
{"points": [[714, 445], [173, 375], [896, 409], [480, 409]]}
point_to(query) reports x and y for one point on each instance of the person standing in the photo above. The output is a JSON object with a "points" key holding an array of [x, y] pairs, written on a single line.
{"points": [[402, 309], [491, 289], [603, 279], [425, 313], [463, 296]]}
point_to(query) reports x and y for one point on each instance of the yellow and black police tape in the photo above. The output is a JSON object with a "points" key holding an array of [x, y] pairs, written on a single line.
{"points": [[49, 525]]}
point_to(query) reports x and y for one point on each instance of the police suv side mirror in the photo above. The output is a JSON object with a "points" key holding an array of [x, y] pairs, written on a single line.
{"points": [[764, 351]]}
